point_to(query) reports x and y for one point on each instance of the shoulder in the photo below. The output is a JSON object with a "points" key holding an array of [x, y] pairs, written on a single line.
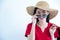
{"points": [[58, 27], [53, 24], [29, 24]]}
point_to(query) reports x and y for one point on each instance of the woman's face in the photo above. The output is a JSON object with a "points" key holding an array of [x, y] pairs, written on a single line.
{"points": [[42, 14]]}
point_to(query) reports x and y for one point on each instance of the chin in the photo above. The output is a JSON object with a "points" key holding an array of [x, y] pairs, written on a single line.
{"points": [[42, 20]]}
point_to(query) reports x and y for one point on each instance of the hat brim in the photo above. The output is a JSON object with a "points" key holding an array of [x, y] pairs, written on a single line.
{"points": [[52, 12]]}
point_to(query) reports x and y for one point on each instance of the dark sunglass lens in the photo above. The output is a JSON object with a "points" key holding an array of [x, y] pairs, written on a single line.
{"points": [[44, 16], [38, 16]]}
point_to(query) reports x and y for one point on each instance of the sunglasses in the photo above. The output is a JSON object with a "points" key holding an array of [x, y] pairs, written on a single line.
{"points": [[44, 16]]}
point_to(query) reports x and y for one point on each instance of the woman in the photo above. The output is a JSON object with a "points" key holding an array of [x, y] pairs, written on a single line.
{"points": [[40, 28]]}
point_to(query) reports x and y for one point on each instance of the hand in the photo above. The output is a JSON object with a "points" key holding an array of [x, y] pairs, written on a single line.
{"points": [[34, 19], [52, 29]]}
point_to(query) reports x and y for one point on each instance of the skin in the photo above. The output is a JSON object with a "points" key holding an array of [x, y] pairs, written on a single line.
{"points": [[42, 21], [42, 24]]}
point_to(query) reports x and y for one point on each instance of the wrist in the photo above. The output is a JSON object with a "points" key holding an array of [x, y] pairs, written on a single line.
{"points": [[52, 34]]}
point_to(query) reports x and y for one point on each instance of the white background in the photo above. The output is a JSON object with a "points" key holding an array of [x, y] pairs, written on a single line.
{"points": [[14, 17]]}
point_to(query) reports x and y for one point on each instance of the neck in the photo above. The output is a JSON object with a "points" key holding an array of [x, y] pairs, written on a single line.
{"points": [[42, 23]]}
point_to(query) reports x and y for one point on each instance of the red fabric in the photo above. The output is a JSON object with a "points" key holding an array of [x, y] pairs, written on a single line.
{"points": [[39, 35], [58, 30]]}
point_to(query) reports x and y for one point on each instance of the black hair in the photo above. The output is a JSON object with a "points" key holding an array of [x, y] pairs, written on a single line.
{"points": [[47, 19]]}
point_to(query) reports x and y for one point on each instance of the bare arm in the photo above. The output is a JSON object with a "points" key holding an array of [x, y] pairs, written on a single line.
{"points": [[53, 38], [32, 33]]}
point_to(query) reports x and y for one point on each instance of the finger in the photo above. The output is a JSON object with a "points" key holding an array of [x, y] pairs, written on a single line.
{"points": [[51, 27], [55, 27], [35, 16]]}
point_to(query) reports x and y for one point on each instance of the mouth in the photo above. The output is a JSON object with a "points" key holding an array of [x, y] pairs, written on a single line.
{"points": [[41, 18]]}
